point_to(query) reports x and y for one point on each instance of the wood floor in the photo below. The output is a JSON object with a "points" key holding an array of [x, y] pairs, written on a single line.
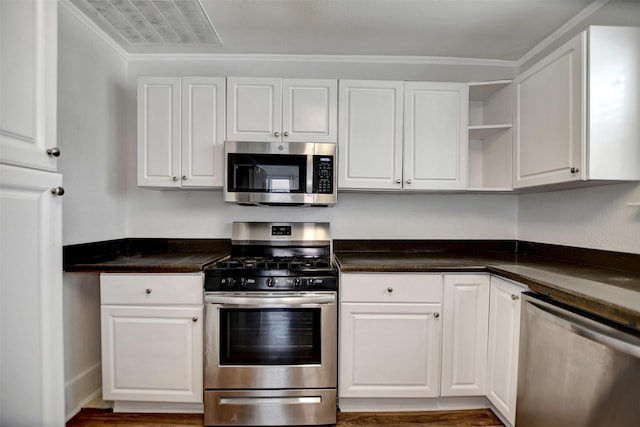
{"points": [[480, 418]]}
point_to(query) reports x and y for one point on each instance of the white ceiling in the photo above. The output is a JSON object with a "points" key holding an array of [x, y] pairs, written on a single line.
{"points": [[487, 29]]}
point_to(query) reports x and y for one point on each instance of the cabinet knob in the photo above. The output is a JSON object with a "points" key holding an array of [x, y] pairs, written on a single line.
{"points": [[147, 291], [575, 170], [515, 297], [276, 134], [54, 152], [184, 177], [175, 178], [409, 181], [286, 134], [57, 191], [194, 319], [436, 314], [398, 181], [389, 289]]}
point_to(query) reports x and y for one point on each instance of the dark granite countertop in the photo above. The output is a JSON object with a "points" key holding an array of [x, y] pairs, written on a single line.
{"points": [[611, 293]]}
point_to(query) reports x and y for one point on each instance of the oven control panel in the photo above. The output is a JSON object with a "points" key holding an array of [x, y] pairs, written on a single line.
{"points": [[270, 283]]}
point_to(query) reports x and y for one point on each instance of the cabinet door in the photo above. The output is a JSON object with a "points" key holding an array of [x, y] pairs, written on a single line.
{"points": [[435, 136], [389, 350], [152, 353], [254, 109], [549, 101], [31, 344], [464, 335], [504, 339], [203, 130], [370, 135], [309, 110], [28, 66], [159, 132]]}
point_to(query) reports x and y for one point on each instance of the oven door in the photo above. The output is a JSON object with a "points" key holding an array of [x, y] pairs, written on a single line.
{"points": [[270, 340]]}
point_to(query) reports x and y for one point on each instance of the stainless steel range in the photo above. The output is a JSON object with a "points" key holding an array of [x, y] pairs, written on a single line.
{"points": [[271, 328]]}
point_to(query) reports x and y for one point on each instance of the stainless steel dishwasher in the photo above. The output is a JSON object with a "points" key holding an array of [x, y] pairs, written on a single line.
{"points": [[575, 369]]}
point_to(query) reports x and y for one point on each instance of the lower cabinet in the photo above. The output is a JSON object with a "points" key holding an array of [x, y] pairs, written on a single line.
{"points": [[152, 337], [504, 339], [390, 331]]}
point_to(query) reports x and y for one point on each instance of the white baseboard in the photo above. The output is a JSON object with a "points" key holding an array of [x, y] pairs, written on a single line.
{"points": [[405, 405], [81, 389], [159, 407]]}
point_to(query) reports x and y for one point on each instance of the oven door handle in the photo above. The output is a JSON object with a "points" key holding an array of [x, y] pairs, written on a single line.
{"points": [[265, 301]]}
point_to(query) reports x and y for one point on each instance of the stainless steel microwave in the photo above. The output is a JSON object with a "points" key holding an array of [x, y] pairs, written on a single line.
{"points": [[280, 173]]}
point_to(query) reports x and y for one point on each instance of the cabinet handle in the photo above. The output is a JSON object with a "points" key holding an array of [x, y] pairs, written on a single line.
{"points": [[57, 191], [147, 291], [575, 170], [194, 319], [409, 181], [436, 314], [389, 289], [184, 177], [54, 152], [175, 178], [515, 297], [286, 134], [276, 134]]}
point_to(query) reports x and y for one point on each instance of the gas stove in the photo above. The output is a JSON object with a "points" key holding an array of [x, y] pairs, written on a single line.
{"points": [[275, 257]]}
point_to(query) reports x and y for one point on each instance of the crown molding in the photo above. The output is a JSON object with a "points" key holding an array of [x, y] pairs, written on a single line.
{"points": [[78, 14], [564, 29]]}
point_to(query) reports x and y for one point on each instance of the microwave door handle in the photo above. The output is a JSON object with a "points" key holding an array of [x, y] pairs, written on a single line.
{"points": [[264, 301]]}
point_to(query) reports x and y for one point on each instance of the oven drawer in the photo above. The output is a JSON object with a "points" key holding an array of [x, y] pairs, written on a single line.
{"points": [[143, 289], [391, 287]]}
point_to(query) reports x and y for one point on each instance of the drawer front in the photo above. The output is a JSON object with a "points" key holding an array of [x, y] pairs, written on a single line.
{"points": [[161, 288], [391, 287]]}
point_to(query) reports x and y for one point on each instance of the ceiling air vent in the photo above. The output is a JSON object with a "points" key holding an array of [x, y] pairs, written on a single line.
{"points": [[152, 22]]}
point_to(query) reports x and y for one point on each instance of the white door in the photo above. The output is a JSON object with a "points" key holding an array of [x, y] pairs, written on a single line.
{"points": [[310, 110], [28, 70], [549, 98], [152, 353], [389, 350], [504, 340], [464, 334], [159, 132], [254, 109], [370, 135], [31, 341], [435, 136], [203, 130]]}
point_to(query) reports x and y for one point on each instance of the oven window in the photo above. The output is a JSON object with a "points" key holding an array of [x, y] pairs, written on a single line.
{"points": [[267, 173], [270, 336]]}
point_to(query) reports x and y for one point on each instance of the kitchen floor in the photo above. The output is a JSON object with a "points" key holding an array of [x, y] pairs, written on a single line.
{"points": [[479, 417]]}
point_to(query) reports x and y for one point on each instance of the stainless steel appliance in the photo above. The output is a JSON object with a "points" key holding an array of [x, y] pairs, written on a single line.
{"points": [[271, 328], [575, 369], [280, 173]]}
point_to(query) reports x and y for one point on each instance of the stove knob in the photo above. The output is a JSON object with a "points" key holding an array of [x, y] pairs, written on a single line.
{"points": [[270, 282], [309, 283], [243, 282], [297, 282], [230, 282]]}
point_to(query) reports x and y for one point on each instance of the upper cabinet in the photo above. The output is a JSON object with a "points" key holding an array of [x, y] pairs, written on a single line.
{"points": [[181, 132], [402, 136], [577, 111], [490, 135], [28, 66], [274, 109]]}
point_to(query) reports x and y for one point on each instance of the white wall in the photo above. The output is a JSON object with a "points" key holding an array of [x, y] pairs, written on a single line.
{"points": [[91, 135], [597, 218]]}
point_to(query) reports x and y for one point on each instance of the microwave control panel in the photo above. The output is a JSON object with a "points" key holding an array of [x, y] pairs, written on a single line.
{"points": [[322, 174]]}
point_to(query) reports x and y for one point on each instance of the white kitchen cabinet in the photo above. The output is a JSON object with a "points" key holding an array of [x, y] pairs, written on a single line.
{"points": [[181, 132], [31, 351], [577, 109], [28, 87], [490, 135], [504, 340], [274, 109], [464, 334], [389, 335], [402, 136], [152, 337], [435, 136]]}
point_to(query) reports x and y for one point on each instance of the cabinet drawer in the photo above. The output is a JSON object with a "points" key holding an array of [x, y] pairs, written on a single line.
{"points": [[161, 288], [391, 287]]}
